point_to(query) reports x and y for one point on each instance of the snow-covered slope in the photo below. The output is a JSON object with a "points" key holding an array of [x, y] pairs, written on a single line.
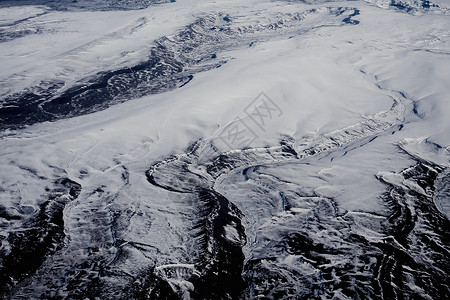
{"points": [[225, 150]]}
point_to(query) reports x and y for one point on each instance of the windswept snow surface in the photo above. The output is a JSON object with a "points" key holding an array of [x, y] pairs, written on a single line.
{"points": [[225, 150]]}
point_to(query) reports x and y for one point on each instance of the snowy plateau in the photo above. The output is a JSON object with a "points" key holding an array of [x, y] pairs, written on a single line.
{"points": [[232, 149]]}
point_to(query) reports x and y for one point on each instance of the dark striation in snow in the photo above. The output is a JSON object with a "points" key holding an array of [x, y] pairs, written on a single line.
{"points": [[220, 259], [327, 257], [408, 262], [171, 64], [417, 252], [10, 31], [68, 271], [40, 236], [331, 259], [307, 247], [412, 6], [87, 4]]}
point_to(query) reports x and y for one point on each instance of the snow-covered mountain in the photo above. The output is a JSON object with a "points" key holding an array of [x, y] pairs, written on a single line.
{"points": [[225, 150]]}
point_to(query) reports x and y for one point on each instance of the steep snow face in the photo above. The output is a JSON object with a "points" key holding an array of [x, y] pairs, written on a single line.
{"points": [[225, 150]]}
